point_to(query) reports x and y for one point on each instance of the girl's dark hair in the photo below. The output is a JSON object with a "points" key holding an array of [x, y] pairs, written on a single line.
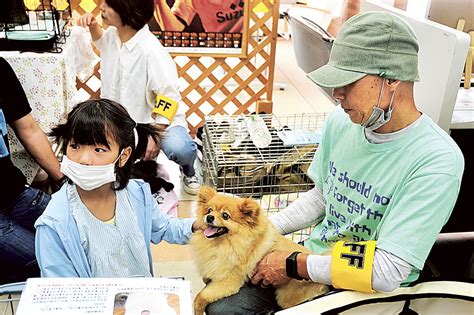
{"points": [[134, 13], [92, 121]]}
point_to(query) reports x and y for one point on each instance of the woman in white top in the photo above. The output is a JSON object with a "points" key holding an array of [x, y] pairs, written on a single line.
{"points": [[137, 72]]}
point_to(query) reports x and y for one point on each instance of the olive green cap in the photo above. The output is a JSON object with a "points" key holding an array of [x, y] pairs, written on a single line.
{"points": [[376, 43]]}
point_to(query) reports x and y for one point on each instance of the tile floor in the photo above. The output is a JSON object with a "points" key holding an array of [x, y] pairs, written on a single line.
{"points": [[304, 97]]}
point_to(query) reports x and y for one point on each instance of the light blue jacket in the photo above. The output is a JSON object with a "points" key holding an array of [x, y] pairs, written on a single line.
{"points": [[58, 246]]}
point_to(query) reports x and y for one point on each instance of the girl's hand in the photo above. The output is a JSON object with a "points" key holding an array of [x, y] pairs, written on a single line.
{"points": [[198, 226], [87, 20]]}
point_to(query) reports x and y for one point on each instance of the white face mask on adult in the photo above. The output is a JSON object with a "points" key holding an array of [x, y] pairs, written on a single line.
{"points": [[89, 177], [379, 117]]}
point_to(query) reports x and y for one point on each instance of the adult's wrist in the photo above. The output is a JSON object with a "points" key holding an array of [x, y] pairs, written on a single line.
{"points": [[292, 266], [301, 266], [94, 26], [60, 181], [58, 177]]}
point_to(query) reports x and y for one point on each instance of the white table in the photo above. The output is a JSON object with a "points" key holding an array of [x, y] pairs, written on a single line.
{"points": [[463, 114]]}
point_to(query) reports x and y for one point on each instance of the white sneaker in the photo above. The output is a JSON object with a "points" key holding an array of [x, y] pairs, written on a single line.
{"points": [[191, 184]]}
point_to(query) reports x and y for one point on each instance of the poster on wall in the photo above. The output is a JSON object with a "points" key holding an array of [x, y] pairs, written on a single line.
{"points": [[202, 27]]}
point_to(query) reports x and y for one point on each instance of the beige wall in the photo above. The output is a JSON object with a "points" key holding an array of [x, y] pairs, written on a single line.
{"points": [[448, 12]]}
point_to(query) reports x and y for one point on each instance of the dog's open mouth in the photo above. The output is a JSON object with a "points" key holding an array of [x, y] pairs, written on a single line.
{"points": [[215, 231]]}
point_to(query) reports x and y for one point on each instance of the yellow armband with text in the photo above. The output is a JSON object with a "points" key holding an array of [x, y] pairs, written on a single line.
{"points": [[351, 265], [165, 107]]}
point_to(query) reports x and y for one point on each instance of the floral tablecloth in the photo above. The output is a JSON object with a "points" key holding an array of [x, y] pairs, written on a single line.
{"points": [[49, 81]]}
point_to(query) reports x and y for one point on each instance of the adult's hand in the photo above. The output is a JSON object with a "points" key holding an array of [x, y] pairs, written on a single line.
{"points": [[271, 270], [153, 146], [161, 128], [88, 20], [152, 149]]}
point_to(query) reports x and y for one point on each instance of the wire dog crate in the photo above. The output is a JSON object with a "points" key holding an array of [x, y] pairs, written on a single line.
{"points": [[33, 25], [274, 175]]}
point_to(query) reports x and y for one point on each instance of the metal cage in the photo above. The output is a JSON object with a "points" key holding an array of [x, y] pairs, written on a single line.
{"points": [[274, 175]]}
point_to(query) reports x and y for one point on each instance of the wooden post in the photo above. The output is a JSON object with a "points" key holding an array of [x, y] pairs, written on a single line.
{"points": [[400, 4], [349, 9], [468, 69], [264, 106]]}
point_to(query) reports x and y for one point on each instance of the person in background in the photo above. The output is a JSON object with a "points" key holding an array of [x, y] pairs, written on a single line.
{"points": [[137, 72], [20, 204], [101, 223], [386, 176]]}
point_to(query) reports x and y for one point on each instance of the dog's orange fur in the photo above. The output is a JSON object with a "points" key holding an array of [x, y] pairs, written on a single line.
{"points": [[226, 262]]}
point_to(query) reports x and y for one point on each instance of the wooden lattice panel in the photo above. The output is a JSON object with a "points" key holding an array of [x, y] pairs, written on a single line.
{"points": [[79, 8], [219, 85]]}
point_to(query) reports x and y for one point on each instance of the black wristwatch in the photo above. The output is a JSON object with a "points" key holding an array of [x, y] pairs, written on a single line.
{"points": [[291, 266]]}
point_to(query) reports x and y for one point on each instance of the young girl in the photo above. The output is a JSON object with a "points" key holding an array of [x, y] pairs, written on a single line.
{"points": [[101, 223]]}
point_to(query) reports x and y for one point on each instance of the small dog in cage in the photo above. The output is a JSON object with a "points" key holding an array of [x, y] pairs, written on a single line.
{"points": [[237, 236]]}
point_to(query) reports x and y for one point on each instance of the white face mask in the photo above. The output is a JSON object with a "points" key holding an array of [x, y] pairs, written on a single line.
{"points": [[89, 177], [379, 117]]}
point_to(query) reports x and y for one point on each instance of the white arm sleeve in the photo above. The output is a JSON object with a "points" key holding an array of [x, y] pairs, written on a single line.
{"points": [[388, 270], [301, 213]]}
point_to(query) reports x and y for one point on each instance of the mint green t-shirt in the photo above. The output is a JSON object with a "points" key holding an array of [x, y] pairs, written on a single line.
{"points": [[399, 193]]}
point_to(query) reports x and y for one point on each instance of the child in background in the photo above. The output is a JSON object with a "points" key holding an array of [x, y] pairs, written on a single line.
{"points": [[101, 223], [137, 72]]}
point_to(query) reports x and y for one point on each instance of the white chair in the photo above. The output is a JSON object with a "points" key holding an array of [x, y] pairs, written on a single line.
{"points": [[10, 296], [311, 42]]}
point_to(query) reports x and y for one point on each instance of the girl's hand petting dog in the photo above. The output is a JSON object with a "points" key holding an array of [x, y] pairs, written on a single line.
{"points": [[198, 225], [271, 270]]}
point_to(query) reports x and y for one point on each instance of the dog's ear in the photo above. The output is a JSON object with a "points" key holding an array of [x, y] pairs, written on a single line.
{"points": [[206, 193], [250, 208]]}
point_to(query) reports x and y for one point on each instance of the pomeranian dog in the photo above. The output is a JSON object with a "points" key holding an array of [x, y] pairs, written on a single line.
{"points": [[237, 236]]}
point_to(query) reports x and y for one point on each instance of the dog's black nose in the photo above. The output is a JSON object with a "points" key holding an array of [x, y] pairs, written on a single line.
{"points": [[209, 218]]}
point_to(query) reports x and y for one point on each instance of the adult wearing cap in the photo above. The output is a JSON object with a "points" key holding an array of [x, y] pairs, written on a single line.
{"points": [[386, 176]]}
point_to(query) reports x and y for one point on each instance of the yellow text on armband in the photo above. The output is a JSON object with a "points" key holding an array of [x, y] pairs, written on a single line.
{"points": [[351, 265], [165, 107]]}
